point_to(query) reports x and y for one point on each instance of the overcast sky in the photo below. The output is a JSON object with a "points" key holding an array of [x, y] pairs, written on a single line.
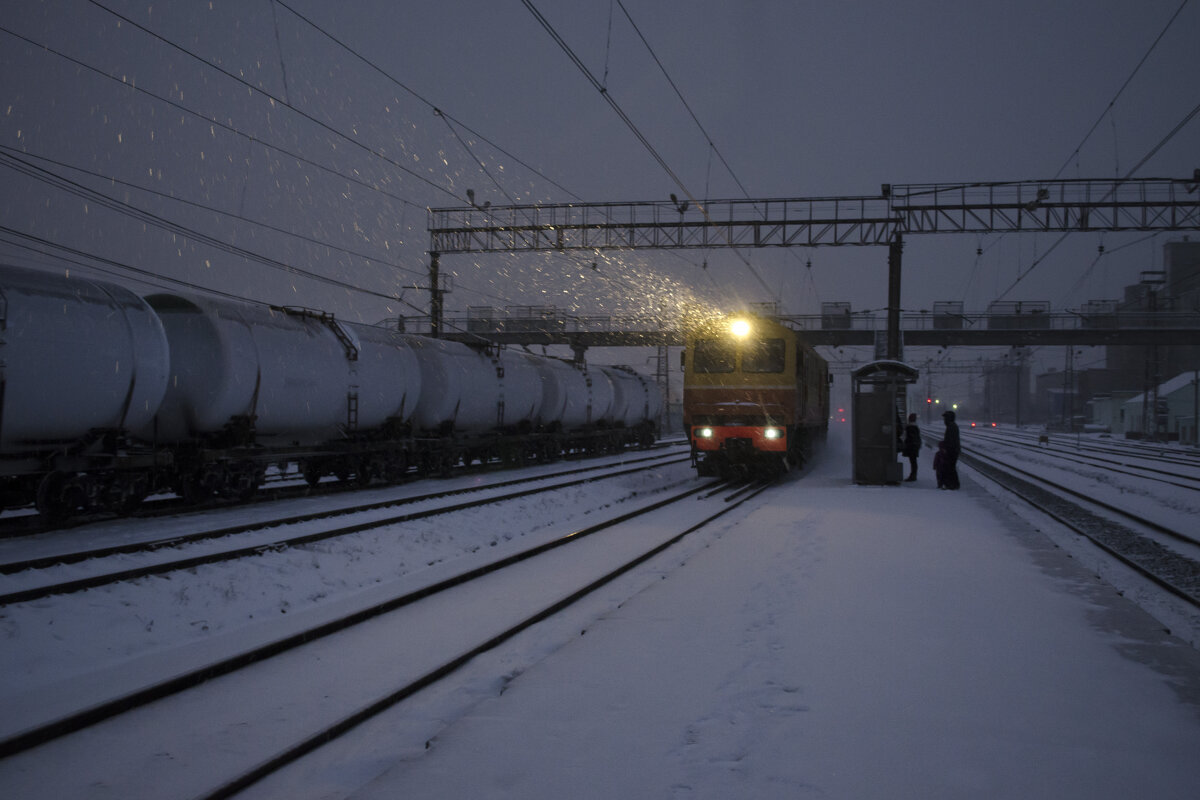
{"points": [[800, 99]]}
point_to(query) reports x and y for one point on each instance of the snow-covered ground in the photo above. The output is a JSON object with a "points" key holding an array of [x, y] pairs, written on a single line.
{"points": [[837, 641]]}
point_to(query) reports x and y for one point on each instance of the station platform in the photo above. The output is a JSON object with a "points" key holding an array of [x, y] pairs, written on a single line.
{"points": [[844, 642]]}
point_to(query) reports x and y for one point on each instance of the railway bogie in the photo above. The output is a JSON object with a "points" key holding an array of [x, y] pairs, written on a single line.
{"points": [[106, 398]]}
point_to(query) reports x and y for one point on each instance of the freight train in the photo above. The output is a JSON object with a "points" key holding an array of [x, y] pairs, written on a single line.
{"points": [[755, 397], [107, 396]]}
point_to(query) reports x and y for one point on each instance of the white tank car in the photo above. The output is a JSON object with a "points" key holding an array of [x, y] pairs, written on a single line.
{"points": [[560, 382], [76, 354], [636, 398], [589, 397], [386, 376], [235, 360], [470, 391]]}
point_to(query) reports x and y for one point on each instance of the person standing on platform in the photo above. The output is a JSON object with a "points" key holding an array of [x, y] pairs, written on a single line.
{"points": [[939, 465], [953, 447], [912, 446]]}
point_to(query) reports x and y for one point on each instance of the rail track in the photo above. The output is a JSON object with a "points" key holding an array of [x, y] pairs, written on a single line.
{"points": [[1183, 473], [314, 684], [1163, 555], [278, 486], [246, 544]]}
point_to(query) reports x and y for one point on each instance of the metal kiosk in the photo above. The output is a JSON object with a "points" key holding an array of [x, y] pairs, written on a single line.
{"points": [[879, 407]]}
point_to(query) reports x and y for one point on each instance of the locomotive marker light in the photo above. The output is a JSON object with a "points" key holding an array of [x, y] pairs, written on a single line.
{"points": [[772, 433], [705, 433]]}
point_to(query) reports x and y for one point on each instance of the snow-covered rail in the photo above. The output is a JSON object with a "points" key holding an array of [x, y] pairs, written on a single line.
{"points": [[308, 687], [255, 538], [1165, 556]]}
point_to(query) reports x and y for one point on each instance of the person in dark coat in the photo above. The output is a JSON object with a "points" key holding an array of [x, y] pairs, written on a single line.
{"points": [[939, 465], [912, 446], [953, 447]]}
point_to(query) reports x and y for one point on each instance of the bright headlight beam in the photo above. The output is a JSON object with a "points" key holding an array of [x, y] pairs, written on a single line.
{"points": [[740, 328]]}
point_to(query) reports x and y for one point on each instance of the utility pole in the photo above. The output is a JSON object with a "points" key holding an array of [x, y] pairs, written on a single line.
{"points": [[895, 248], [435, 297], [1196, 408]]}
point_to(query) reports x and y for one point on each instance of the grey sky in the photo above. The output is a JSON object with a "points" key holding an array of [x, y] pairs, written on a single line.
{"points": [[801, 98]]}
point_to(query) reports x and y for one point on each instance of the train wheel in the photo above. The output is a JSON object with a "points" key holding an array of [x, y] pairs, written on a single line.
{"points": [[396, 467], [313, 474], [192, 489], [60, 495], [243, 481], [127, 495], [368, 470]]}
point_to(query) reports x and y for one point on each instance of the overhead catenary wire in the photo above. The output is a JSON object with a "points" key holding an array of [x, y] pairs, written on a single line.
{"points": [[712, 146], [164, 224], [7, 153], [1162, 142], [452, 123], [1111, 103], [629, 123], [682, 99], [1074, 153], [130, 86], [279, 101], [209, 120], [1107, 110], [408, 89]]}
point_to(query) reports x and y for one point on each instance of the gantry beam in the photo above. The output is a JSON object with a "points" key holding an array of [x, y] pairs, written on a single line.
{"points": [[1158, 204]]}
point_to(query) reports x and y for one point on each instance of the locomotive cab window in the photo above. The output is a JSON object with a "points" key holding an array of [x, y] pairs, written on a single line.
{"points": [[765, 355], [713, 355]]}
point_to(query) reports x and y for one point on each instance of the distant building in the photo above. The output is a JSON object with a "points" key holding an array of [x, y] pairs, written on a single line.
{"points": [[1105, 410], [1061, 397], [1178, 291], [1174, 418]]}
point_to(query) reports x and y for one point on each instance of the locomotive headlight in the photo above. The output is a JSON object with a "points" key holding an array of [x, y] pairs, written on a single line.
{"points": [[704, 433], [740, 328], [772, 433]]}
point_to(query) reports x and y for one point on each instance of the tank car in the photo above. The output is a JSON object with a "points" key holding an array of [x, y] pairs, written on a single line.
{"points": [[105, 397], [82, 362], [755, 396], [637, 403], [253, 384]]}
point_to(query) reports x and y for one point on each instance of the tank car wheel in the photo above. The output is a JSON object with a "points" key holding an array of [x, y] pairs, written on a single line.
{"points": [[59, 495], [395, 468], [243, 482], [192, 489], [313, 474], [367, 471], [128, 495]]}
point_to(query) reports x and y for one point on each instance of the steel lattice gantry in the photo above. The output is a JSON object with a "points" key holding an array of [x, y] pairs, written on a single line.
{"points": [[1152, 204], [1027, 206]]}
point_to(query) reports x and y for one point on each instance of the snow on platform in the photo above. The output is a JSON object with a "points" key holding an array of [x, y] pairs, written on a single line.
{"points": [[844, 642]]}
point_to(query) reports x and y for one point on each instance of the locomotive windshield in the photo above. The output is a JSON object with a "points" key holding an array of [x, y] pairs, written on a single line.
{"points": [[713, 355], [766, 355]]}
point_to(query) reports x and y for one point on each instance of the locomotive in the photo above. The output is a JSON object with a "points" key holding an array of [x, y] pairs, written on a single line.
{"points": [[107, 396], [755, 397]]}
